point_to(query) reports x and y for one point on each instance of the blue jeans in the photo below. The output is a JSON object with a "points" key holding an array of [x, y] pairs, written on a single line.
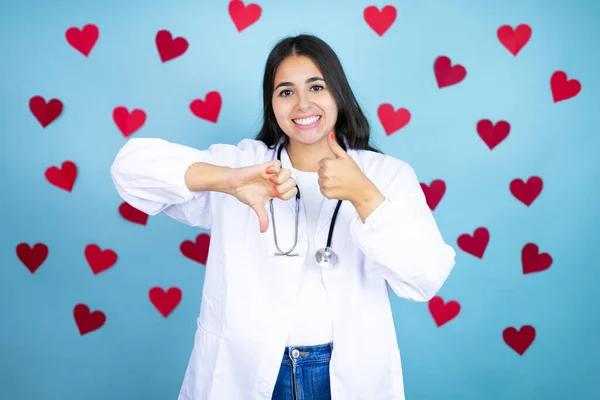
{"points": [[304, 373]]}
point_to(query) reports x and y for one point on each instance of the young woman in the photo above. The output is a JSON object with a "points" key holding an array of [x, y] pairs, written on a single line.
{"points": [[295, 300]]}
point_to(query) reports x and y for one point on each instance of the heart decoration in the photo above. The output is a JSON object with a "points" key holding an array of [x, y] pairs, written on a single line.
{"points": [[492, 134], [64, 177], [128, 122], [169, 48], [45, 112], [132, 214], [165, 301], [519, 340], [198, 250], [514, 39], [534, 261], [209, 108], [83, 40], [380, 21], [475, 244], [526, 192], [99, 260], [563, 88], [392, 120], [32, 257], [243, 16], [446, 74], [434, 192], [87, 321], [441, 312]]}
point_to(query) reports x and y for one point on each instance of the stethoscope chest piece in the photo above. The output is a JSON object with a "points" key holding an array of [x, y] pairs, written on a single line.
{"points": [[325, 257]]}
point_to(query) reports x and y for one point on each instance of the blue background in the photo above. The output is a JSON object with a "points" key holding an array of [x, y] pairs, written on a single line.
{"points": [[138, 354]]}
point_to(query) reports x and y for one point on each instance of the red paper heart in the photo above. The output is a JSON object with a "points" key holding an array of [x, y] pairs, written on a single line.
{"points": [[526, 192], [392, 120], [83, 40], [534, 261], [44, 112], [492, 134], [380, 21], [446, 74], [514, 39], [64, 177], [209, 108], [87, 321], [443, 313], [476, 244], [132, 214], [169, 48], [32, 257], [434, 192], [243, 16], [165, 302], [128, 122], [99, 260], [519, 340], [197, 251], [562, 88]]}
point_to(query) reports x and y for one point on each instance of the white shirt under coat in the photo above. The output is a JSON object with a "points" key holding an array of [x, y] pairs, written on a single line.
{"points": [[311, 323]]}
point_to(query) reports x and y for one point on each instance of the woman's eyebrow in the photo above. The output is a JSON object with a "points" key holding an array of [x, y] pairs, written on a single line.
{"points": [[309, 80]]}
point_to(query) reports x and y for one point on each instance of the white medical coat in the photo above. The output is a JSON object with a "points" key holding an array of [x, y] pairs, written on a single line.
{"points": [[249, 294]]}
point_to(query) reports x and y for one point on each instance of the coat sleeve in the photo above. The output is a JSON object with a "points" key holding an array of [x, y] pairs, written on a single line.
{"points": [[401, 239], [148, 173]]}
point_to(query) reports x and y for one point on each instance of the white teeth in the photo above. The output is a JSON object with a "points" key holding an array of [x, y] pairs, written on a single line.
{"points": [[307, 121]]}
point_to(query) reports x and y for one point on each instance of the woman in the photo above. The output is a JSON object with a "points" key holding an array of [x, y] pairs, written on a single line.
{"points": [[314, 322]]}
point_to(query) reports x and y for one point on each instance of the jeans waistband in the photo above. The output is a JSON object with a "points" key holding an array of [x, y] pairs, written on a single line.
{"points": [[308, 353]]}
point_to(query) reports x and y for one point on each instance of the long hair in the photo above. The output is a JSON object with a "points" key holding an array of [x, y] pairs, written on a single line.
{"points": [[351, 125]]}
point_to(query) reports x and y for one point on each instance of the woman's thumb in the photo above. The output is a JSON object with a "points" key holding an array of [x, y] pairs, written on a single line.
{"points": [[263, 217], [274, 166]]}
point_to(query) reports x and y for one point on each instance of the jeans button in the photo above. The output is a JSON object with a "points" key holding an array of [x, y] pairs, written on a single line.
{"points": [[295, 353]]}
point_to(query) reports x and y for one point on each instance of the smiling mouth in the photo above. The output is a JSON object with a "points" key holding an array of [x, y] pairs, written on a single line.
{"points": [[306, 121]]}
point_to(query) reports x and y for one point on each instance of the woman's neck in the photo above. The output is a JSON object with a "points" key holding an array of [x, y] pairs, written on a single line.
{"points": [[306, 157]]}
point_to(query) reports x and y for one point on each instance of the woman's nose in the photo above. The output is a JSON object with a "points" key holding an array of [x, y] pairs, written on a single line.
{"points": [[303, 102]]}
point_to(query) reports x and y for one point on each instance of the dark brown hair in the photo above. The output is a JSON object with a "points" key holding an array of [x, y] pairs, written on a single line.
{"points": [[351, 124]]}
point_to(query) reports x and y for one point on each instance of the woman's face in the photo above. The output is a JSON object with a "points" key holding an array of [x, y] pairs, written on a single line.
{"points": [[303, 105]]}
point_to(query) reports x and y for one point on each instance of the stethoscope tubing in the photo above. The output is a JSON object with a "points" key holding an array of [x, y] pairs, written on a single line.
{"points": [[298, 197]]}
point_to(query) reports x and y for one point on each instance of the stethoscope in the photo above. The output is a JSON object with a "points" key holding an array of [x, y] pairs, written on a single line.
{"points": [[325, 257]]}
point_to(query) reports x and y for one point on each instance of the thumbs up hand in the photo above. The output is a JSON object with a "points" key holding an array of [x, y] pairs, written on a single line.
{"points": [[339, 176]]}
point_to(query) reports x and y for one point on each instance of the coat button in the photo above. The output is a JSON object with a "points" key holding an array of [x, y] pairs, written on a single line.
{"points": [[295, 353]]}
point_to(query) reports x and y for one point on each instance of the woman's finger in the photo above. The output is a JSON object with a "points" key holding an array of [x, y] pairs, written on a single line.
{"points": [[289, 194]]}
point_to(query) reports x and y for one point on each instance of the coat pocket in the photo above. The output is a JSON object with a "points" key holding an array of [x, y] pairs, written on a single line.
{"points": [[199, 375]]}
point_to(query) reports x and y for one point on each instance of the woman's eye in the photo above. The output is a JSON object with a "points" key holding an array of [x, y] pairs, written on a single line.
{"points": [[288, 92]]}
